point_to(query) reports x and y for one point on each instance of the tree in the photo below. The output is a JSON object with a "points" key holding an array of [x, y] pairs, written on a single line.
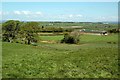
{"points": [[20, 32], [29, 29], [30, 26], [10, 29]]}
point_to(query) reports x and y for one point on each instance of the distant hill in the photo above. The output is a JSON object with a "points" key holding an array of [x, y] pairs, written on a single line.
{"points": [[111, 22], [104, 22]]}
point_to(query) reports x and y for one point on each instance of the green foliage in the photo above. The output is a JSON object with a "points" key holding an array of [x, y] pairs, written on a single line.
{"points": [[72, 38], [10, 25], [30, 26], [20, 32], [114, 30], [51, 29], [10, 30]]}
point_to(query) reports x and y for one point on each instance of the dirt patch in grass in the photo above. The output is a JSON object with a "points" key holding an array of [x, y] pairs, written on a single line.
{"points": [[48, 41]]}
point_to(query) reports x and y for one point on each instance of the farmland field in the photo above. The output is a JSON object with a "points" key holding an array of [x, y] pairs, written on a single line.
{"points": [[85, 38], [77, 40], [87, 25], [94, 57]]}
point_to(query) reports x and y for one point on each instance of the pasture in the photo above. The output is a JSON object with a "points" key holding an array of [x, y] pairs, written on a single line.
{"points": [[85, 38], [79, 25], [94, 57]]}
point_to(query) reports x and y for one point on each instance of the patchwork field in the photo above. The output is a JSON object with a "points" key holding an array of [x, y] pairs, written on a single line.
{"points": [[94, 57]]}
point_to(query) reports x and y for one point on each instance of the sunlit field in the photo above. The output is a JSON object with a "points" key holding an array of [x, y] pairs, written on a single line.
{"points": [[59, 40], [93, 57]]}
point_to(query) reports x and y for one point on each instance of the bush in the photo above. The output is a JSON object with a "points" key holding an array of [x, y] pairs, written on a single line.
{"points": [[72, 38], [114, 30]]}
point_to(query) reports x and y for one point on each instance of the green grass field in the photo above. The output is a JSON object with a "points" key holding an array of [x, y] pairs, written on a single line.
{"points": [[85, 38], [94, 58], [55, 38]]}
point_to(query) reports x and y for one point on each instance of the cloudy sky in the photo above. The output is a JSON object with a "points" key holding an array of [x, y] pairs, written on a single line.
{"points": [[60, 11]]}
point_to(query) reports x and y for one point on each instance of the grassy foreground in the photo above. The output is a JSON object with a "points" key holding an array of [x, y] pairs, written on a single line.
{"points": [[87, 60]]}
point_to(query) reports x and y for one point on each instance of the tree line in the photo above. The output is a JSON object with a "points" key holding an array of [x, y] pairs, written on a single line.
{"points": [[25, 32]]}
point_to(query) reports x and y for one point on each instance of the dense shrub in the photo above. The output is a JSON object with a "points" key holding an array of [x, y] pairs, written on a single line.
{"points": [[72, 38], [114, 30]]}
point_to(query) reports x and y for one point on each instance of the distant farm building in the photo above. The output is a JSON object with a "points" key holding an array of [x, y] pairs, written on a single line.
{"points": [[93, 32]]}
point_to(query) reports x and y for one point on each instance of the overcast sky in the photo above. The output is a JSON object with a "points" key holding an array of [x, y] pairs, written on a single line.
{"points": [[60, 11]]}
